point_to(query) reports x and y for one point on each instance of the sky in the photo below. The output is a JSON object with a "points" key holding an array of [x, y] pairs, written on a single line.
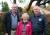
{"points": [[26, 2]]}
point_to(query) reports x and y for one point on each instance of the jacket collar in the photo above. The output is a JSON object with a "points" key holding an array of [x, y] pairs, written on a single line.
{"points": [[37, 16], [25, 22]]}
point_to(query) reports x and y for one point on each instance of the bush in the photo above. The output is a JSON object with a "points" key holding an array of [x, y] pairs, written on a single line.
{"points": [[5, 7]]}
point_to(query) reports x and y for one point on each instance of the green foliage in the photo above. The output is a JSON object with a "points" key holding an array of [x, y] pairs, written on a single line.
{"points": [[20, 9], [21, 1], [5, 7], [45, 1]]}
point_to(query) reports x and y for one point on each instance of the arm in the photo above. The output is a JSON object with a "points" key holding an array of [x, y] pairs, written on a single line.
{"points": [[4, 24], [45, 26], [18, 17], [30, 32], [17, 30]]}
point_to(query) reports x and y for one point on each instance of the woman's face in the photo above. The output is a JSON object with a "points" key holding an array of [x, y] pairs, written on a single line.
{"points": [[25, 18]]}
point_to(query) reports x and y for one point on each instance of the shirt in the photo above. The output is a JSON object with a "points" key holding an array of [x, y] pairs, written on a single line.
{"points": [[24, 28], [14, 21]]}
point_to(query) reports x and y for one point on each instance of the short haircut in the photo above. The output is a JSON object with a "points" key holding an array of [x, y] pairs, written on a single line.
{"points": [[25, 14]]}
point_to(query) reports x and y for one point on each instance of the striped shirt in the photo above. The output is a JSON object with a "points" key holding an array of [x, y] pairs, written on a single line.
{"points": [[24, 29]]}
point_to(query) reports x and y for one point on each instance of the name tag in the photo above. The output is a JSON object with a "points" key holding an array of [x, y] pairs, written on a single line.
{"points": [[40, 19], [28, 25]]}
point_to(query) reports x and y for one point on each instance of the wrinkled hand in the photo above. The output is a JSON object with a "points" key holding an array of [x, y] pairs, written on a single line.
{"points": [[6, 33]]}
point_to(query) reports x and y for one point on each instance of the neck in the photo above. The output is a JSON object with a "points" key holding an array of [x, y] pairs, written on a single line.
{"points": [[25, 20], [36, 15], [13, 13]]}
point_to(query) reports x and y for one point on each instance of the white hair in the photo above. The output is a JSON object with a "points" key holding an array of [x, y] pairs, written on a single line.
{"points": [[25, 14]]}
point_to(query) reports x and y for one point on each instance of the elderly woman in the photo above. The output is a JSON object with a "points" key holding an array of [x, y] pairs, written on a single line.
{"points": [[24, 26]]}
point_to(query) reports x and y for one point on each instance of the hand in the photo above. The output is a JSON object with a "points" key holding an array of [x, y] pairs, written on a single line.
{"points": [[6, 33]]}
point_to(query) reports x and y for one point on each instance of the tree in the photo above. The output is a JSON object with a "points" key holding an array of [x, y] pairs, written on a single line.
{"points": [[38, 3], [14, 1], [5, 7]]}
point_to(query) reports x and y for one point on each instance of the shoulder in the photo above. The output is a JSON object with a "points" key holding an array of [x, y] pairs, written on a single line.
{"points": [[29, 22], [20, 22], [42, 15], [8, 13]]}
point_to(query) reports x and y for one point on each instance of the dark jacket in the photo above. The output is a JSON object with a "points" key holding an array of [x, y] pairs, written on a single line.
{"points": [[7, 23], [39, 23]]}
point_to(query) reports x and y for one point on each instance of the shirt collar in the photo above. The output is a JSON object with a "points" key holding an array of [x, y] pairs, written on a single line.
{"points": [[11, 12], [24, 22]]}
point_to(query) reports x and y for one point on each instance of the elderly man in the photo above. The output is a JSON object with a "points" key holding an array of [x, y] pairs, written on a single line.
{"points": [[10, 21], [39, 24]]}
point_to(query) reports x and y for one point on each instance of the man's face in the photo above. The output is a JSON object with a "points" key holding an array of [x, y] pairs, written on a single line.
{"points": [[14, 8], [36, 10]]}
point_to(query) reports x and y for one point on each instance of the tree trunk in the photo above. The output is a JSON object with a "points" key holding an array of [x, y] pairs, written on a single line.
{"points": [[14, 1]]}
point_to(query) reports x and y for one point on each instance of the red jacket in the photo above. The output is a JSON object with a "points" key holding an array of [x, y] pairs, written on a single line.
{"points": [[28, 28]]}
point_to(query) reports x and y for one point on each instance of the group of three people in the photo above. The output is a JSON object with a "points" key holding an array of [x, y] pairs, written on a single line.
{"points": [[33, 25]]}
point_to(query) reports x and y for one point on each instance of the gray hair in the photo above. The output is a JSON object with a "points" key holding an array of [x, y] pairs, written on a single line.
{"points": [[35, 7], [25, 14]]}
